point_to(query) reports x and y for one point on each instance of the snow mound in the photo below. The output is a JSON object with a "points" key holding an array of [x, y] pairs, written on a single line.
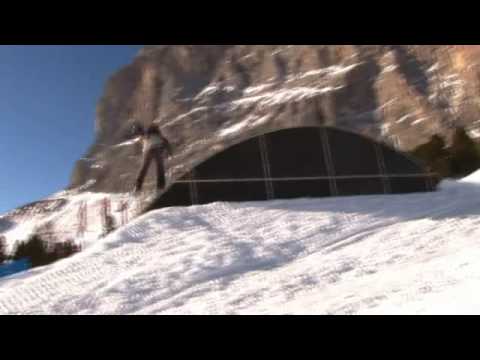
{"points": [[473, 178], [413, 254]]}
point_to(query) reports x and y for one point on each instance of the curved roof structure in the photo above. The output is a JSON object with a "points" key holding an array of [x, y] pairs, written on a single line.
{"points": [[296, 163]]}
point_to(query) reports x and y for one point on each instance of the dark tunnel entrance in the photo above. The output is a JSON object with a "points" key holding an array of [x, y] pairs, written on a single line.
{"points": [[298, 163]]}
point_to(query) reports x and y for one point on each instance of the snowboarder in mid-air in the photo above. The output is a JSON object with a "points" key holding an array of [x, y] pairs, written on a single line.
{"points": [[155, 146]]}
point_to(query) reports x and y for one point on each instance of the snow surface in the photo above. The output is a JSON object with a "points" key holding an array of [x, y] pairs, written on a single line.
{"points": [[397, 254], [433, 68], [418, 121], [475, 133], [281, 96], [249, 121], [128, 142], [209, 90], [253, 90], [389, 68], [330, 71], [405, 117]]}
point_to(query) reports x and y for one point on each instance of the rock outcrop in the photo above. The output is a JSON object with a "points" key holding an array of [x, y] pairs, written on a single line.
{"points": [[207, 97]]}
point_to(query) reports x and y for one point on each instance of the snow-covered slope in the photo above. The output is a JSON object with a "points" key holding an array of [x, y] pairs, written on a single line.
{"points": [[64, 224], [415, 253]]}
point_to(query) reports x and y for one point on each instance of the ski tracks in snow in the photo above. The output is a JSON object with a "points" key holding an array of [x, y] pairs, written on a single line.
{"points": [[335, 255]]}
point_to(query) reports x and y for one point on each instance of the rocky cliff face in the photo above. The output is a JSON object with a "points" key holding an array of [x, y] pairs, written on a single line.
{"points": [[207, 97]]}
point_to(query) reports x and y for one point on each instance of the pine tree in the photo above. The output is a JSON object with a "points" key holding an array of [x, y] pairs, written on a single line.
{"points": [[65, 249], [464, 154], [38, 252], [435, 156], [35, 250], [3, 250], [109, 225]]}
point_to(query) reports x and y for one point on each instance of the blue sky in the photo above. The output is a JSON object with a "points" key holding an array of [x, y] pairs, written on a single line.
{"points": [[48, 96]]}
